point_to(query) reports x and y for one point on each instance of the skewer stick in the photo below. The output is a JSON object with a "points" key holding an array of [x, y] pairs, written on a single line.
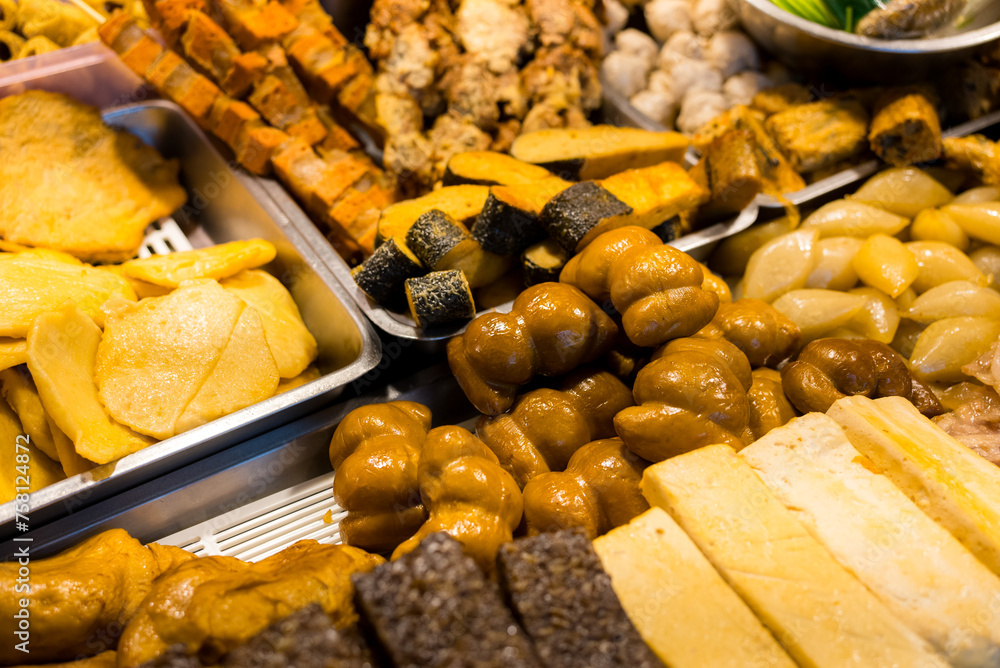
{"points": [[93, 13]]}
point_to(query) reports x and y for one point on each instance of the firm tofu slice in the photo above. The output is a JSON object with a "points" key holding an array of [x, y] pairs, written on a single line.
{"points": [[680, 604], [918, 569], [952, 484], [822, 615]]}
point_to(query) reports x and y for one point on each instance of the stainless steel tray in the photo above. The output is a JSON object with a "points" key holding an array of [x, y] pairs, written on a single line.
{"points": [[618, 109], [225, 205], [250, 501], [697, 244]]}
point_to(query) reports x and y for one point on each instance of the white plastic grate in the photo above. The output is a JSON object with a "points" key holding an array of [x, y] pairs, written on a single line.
{"points": [[265, 527], [164, 237]]}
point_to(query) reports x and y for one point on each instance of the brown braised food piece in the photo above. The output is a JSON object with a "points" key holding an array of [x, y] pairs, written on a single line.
{"points": [[214, 604], [551, 330], [819, 134], [728, 169], [86, 592], [374, 453], [769, 407], [657, 288], [546, 427], [434, 607], [779, 98], [693, 393], [973, 418], [908, 19], [905, 129], [304, 639], [467, 495], [556, 578], [765, 335], [830, 369], [974, 155], [598, 491], [779, 175]]}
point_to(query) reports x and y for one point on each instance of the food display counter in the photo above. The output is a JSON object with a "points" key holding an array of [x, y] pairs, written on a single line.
{"points": [[489, 332]]}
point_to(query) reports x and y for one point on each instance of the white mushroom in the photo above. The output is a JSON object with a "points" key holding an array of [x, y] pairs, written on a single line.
{"points": [[637, 43], [625, 72], [732, 52], [665, 17], [615, 15], [698, 108], [682, 44], [660, 107], [688, 74], [741, 88], [712, 16]]}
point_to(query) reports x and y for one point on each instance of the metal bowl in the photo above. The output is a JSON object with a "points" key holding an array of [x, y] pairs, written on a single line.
{"points": [[806, 46]]}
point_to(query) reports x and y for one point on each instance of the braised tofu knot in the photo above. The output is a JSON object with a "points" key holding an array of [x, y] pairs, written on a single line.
{"points": [[551, 329], [830, 369], [545, 427], [693, 393], [375, 451], [598, 491], [657, 288], [765, 335]]}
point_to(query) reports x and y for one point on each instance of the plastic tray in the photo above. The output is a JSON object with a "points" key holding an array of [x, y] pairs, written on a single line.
{"points": [[226, 205]]}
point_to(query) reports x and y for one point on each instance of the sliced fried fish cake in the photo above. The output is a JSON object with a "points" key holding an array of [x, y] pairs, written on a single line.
{"points": [[167, 364], [291, 343], [62, 352], [71, 183], [218, 262]]}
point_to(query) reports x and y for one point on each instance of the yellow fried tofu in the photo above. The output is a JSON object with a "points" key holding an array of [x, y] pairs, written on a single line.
{"points": [[70, 460], [31, 284], [218, 262], [168, 364], [12, 352], [819, 134], [39, 470], [292, 346], [905, 129], [19, 391], [974, 155], [307, 376], [62, 350], [70, 183]]}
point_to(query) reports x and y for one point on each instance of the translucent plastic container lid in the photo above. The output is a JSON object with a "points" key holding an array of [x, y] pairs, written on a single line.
{"points": [[91, 73]]}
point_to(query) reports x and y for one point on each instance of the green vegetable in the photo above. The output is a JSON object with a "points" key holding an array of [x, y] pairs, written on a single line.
{"points": [[837, 14]]}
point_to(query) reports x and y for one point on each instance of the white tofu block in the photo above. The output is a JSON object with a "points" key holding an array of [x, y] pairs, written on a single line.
{"points": [[952, 484], [918, 569], [821, 614], [679, 603]]}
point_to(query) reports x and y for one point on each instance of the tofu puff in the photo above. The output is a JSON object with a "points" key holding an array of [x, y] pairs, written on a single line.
{"points": [[84, 593], [71, 183]]}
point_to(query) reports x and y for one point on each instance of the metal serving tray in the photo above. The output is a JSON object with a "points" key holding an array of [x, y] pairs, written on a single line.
{"points": [[618, 109], [252, 501], [697, 244], [224, 204]]}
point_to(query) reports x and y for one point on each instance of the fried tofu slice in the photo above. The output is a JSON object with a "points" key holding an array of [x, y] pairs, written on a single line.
{"points": [[905, 129], [218, 262], [39, 470], [975, 155], [18, 389], [307, 376], [70, 183], [31, 284], [291, 343], [12, 352], [169, 364], [62, 350], [819, 134]]}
